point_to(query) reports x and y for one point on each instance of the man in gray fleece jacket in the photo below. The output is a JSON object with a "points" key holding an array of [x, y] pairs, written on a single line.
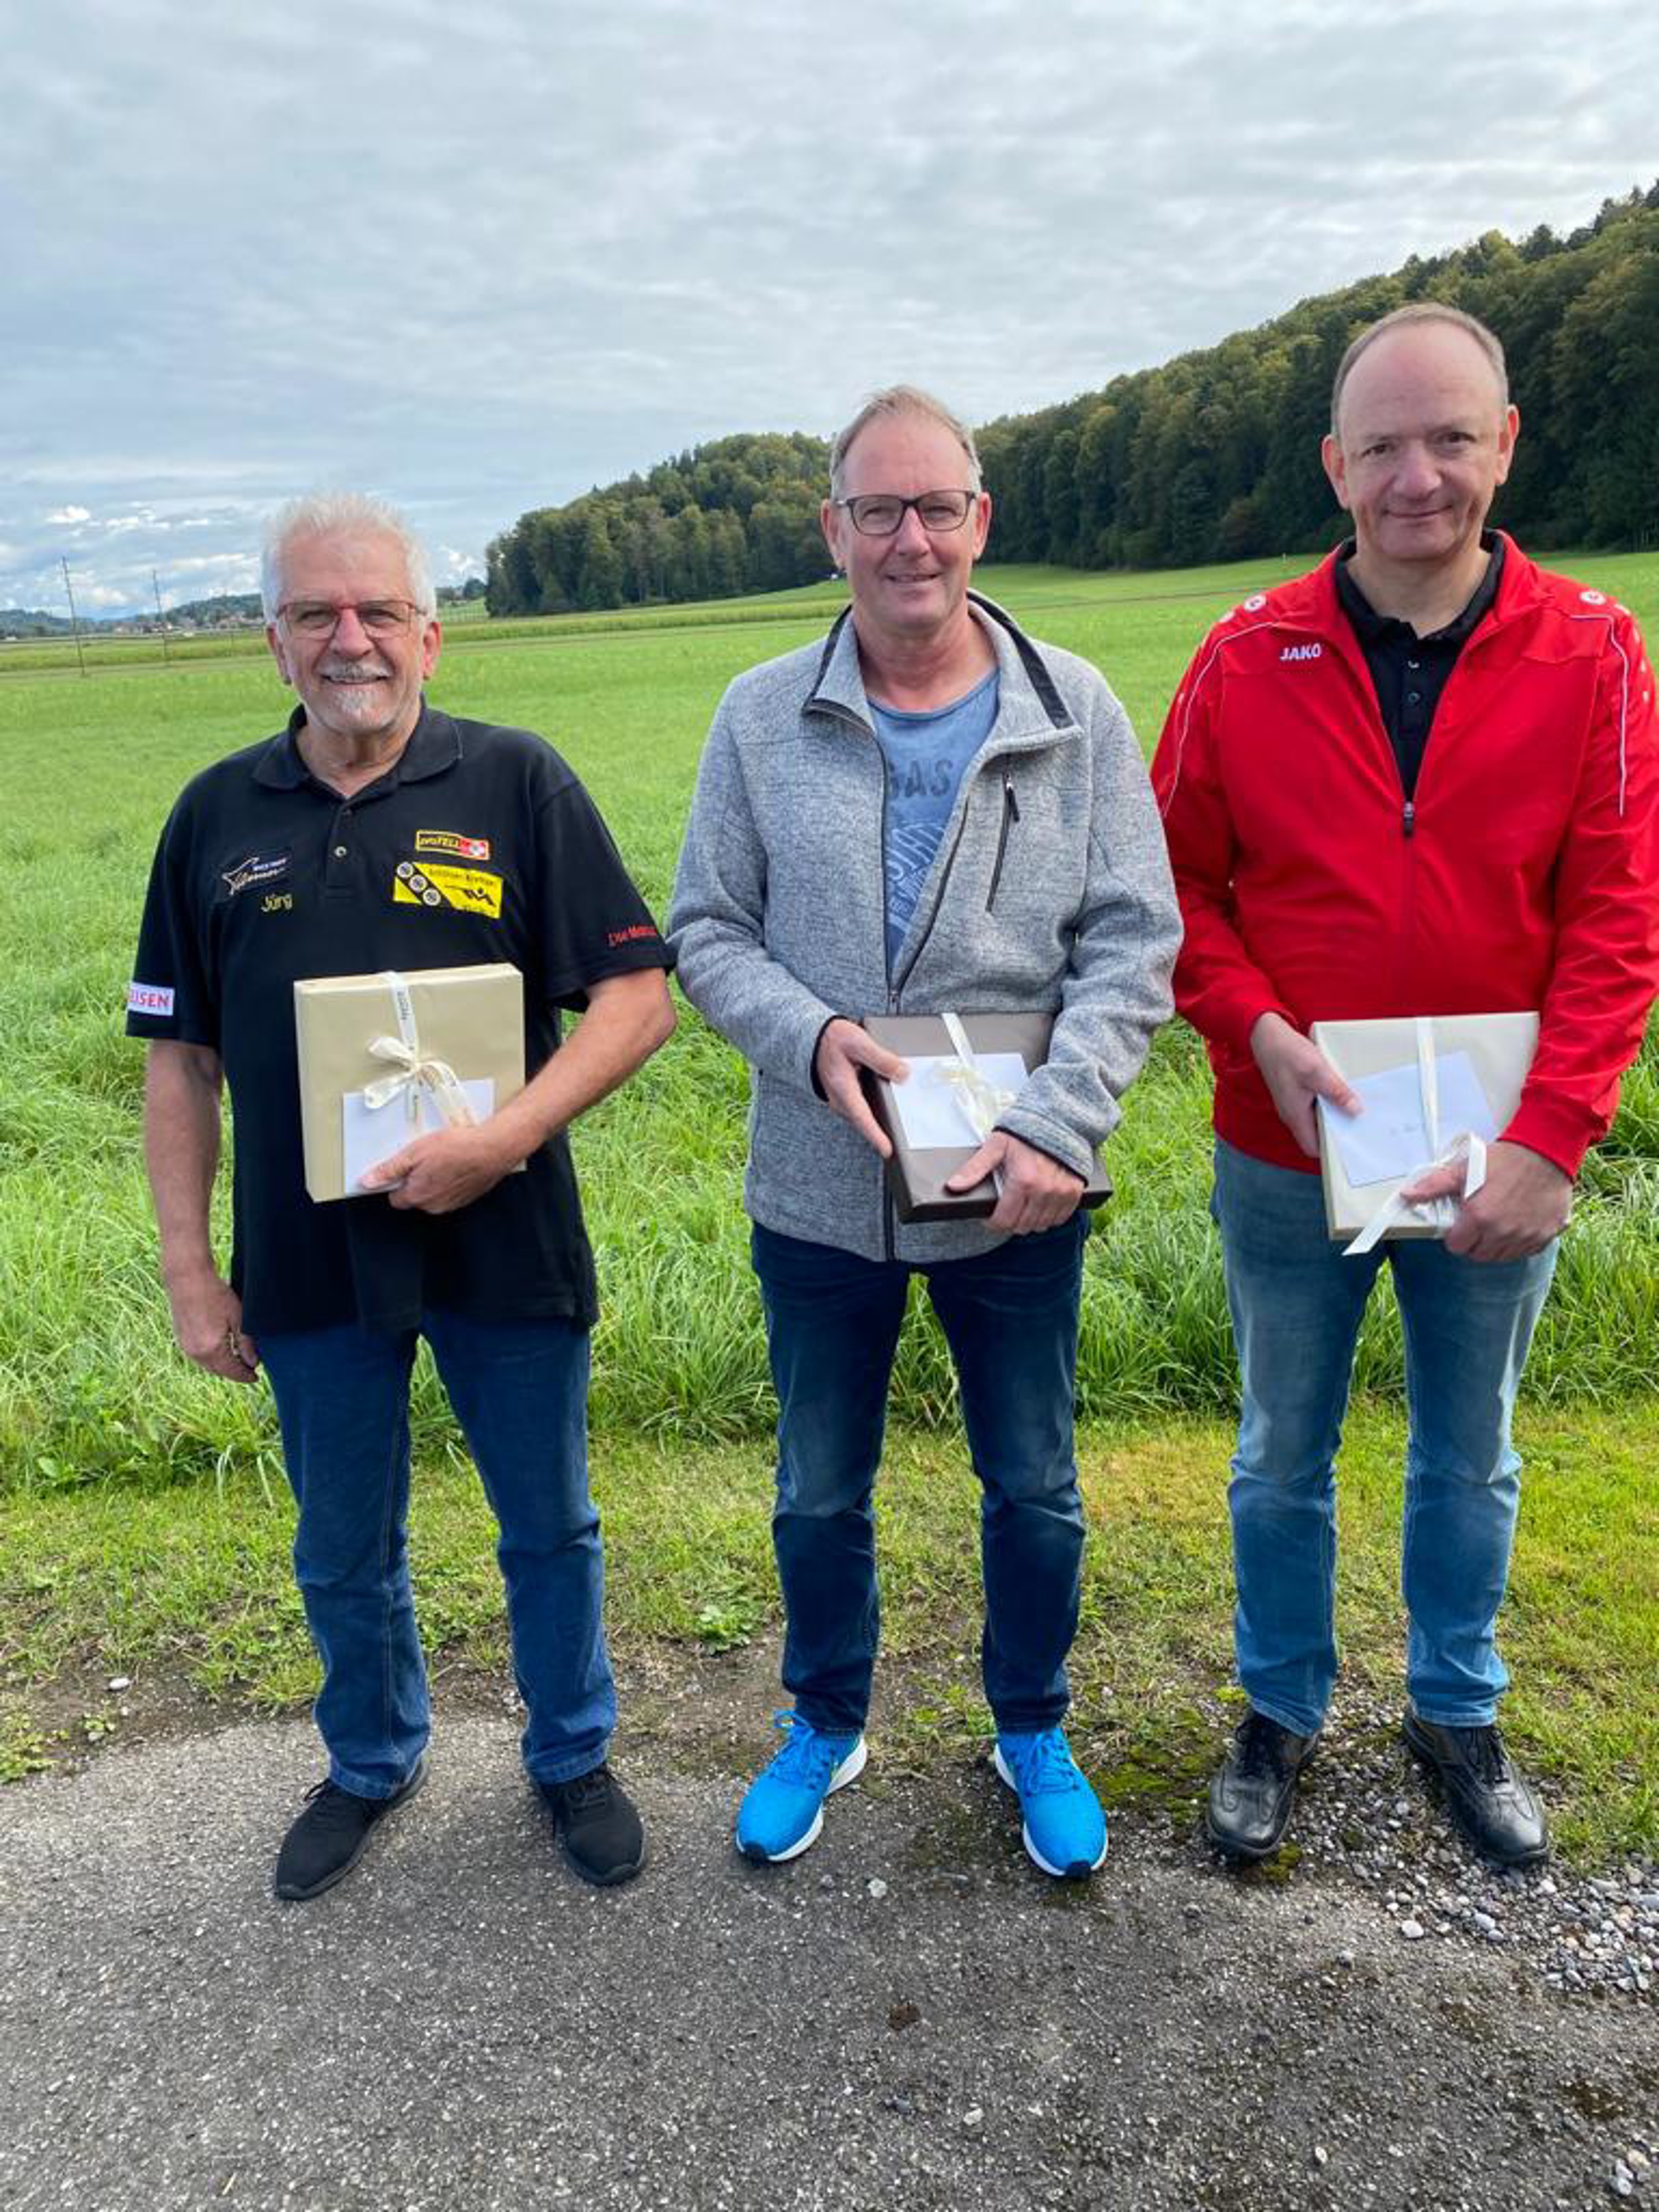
{"points": [[928, 810]]}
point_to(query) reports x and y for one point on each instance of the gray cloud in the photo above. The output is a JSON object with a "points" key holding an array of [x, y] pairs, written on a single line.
{"points": [[480, 260]]}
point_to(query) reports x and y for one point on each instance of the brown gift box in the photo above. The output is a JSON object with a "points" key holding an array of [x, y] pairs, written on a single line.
{"points": [[472, 1017], [1500, 1048], [916, 1175]]}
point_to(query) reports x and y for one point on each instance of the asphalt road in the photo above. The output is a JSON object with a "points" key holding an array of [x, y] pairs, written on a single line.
{"points": [[909, 2014]]}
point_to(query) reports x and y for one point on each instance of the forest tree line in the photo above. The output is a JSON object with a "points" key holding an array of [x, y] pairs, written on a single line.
{"points": [[1213, 456], [738, 515]]}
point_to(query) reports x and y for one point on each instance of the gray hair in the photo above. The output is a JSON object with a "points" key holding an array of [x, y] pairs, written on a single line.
{"points": [[903, 399], [349, 514], [1422, 310]]}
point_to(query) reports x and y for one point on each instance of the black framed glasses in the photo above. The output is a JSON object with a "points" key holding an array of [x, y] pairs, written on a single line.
{"points": [[881, 514], [321, 617]]}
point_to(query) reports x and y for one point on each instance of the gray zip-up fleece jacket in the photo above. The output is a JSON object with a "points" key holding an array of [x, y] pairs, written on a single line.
{"points": [[1050, 891]]}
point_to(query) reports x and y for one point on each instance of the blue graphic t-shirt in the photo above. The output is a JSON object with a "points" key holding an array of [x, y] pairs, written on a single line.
{"points": [[926, 754]]}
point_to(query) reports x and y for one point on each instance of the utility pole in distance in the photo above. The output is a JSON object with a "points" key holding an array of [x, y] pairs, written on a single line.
{"points": [[162, 620], [75, 624]]}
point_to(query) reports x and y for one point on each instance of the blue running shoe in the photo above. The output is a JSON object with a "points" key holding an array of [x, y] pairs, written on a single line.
{"points": [[783, 1809], [1064, 1828]]}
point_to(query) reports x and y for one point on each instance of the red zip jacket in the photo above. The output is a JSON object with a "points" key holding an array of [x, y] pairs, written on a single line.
{"points": [[1523, 873]]}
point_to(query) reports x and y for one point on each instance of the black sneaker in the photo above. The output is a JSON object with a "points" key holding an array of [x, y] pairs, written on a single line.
{"points": [[1486, 1793], [603, 1836], [330, 1836], [1251, 1795]]}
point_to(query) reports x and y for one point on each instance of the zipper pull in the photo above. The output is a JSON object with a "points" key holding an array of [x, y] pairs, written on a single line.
{"points": [[1409, 819], [1008, 799]]}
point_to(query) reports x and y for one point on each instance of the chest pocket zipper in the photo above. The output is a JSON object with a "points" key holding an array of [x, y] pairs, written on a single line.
{"points": [[1010, 816]]}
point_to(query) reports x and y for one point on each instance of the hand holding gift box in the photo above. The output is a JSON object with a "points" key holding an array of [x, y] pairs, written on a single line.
{"points": [[453, 1039], [965, 1072], [1436, 1089]]}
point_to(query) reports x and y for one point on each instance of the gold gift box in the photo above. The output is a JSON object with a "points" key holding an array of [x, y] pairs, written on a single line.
{"points": [[471, 1017], [1500, 1047]]}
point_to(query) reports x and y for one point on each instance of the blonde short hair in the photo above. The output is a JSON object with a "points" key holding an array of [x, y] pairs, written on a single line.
{"points": [[903, 399]]}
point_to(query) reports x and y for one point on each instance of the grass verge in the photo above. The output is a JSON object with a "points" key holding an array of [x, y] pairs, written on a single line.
{"points": [[190, 1583], [91, 1391]]}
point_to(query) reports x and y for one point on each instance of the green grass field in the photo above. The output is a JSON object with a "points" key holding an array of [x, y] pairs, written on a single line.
{"points": [[101, 1424]]}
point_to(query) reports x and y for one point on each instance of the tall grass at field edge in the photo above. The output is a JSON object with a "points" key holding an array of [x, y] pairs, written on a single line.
{"points": [[91, 1389]]}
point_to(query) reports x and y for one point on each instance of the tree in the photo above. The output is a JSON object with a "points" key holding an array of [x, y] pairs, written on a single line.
{"points": [[1213, 455], [600, 584]]}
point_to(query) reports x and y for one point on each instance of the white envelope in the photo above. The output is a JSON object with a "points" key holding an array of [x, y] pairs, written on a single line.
{"points": [[1390, 1139], [373, 1133], [931, 1108]]}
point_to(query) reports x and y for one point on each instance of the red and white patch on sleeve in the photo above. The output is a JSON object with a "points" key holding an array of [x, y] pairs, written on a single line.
{"points": [[149, 998]]}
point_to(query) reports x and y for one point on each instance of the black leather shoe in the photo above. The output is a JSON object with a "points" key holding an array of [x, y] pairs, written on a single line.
{"points": [[1251, 1796], [1486, 1793], [603, 1836], [330, 1836]]}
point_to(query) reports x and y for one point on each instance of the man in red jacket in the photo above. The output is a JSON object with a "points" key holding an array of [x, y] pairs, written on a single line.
{"points": [[1421, 779]]}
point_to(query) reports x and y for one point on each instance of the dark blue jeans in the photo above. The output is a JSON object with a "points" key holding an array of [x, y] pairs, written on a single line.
{"points": [[520, 1392], [1010, 1318]]}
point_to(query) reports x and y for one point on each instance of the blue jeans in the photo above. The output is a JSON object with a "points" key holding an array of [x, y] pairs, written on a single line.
{"points": [[1297, 1305], [520, 1392], [1010, 1318]]}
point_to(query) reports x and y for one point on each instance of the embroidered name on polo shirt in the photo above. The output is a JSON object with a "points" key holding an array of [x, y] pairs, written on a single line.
{"points": [[450, 841], [258, 868], [149, 998], [1302, 652], [473, 891]]}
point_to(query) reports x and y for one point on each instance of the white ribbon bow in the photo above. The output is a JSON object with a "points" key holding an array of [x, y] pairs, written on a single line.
{"points": [[1465, 1148], [417, 1070]]}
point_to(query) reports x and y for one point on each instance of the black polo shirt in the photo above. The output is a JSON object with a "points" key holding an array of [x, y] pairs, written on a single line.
{"points": [[478, 844], [1409, 672]]}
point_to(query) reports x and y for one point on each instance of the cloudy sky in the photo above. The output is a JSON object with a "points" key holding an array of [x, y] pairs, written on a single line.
{"points": [[478, 257]]}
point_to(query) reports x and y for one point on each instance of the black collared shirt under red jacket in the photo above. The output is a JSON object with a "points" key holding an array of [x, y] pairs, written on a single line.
{"points": [[1522, 872], [1409, 670], [478, 844]]}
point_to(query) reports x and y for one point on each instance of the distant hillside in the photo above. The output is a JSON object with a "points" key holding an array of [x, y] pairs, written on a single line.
{"points": [[738, 515], [29, 622], [228, 607], [1212, 456], [225, 610], [225, 606]]}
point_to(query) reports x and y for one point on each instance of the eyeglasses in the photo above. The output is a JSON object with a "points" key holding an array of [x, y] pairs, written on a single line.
{"points": [[321, 618], [881, 514]]}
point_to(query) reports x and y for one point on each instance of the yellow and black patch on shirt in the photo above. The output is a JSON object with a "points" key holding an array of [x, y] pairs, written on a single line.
{"points": [[434, 883]]}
